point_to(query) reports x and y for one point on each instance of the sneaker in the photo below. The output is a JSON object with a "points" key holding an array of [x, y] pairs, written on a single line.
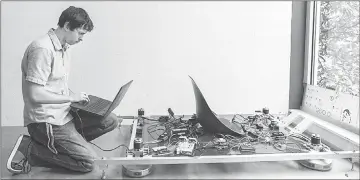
{"points": [[22, 166]]}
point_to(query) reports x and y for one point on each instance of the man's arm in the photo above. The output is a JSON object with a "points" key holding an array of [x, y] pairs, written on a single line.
{"points": [[37, 73], [38, 94]]}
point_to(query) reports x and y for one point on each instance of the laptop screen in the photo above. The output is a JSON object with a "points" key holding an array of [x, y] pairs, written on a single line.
{"points": [[119, 96]]}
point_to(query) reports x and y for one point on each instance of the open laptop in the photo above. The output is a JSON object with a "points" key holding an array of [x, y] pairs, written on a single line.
{"points": [[99, 106]]}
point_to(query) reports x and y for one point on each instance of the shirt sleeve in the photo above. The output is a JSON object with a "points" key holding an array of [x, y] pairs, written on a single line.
{"points": [[39, 66]]}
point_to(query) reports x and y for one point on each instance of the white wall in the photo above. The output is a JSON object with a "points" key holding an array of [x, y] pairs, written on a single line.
{"points": [[237, 52]]}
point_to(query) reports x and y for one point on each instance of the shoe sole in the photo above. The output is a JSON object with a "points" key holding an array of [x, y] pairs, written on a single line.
{"points": [[12, 155]]}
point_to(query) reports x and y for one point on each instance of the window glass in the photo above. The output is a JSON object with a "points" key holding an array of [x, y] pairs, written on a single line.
{"points": [[338, 46]]}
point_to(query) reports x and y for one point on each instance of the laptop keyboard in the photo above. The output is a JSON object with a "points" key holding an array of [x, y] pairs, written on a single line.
{"points": [[97, 106]]}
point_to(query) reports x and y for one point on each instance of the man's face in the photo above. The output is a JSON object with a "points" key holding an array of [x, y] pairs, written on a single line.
{"points": [[75, 36]]}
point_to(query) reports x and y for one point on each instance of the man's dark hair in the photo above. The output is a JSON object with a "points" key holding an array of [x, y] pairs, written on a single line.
{"points": [[77, 17]]}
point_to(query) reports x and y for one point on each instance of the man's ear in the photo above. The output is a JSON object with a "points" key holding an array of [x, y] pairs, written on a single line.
{"points": [[67, 26]]}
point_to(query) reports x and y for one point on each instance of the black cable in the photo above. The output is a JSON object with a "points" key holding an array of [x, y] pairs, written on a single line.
{"points": [[150, 119], [150, 133], [112, 148], [82, 134]]}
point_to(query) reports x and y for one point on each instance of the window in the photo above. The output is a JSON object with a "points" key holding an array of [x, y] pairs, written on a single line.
{"points": [[336, 46]]}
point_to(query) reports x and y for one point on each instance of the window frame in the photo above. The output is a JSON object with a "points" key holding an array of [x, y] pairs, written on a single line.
{"points": [[312, 42], [311, 54]]}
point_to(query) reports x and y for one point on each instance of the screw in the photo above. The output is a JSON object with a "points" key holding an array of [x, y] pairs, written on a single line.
{"points": [[103, 176]]}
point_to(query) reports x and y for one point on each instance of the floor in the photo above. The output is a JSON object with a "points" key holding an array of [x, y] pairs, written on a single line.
{"points": [[107, 141], [261, 170]]}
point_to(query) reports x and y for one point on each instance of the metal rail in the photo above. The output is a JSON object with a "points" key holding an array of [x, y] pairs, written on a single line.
{"points": [[229, 158]]}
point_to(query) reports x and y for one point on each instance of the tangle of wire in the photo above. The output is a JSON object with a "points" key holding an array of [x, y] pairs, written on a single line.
{"points": [[232, 142], [165, 127], [82, 134]]}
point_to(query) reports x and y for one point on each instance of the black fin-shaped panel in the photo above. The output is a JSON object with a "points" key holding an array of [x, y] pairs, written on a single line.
{"points": [[208, 119]]}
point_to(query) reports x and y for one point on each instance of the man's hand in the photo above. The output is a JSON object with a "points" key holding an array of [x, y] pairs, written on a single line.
{"points": [[79, 97], [120, 121]]}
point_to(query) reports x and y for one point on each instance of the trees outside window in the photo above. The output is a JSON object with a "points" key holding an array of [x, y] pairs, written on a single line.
{"points": [[338, 46]]}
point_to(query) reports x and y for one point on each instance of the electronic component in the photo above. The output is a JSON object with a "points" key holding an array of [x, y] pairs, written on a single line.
{"points": [[276, 128], [274, 134], [145, 151], [137, 143], [259, 127], [199, 130], [140, 123], [280, 146], [220, 141], [193, 119], [138, 150], [246, 149], [185, 146], [221, 147], [179, 131], [274, 125], [278, 135], [163, 119], [139, 130], [265, 110], [137, 153], [252, 134], [159, 149], [243, 128], [315, 139], [185, 121], [141, 112], [163, 137], [171, 113]]}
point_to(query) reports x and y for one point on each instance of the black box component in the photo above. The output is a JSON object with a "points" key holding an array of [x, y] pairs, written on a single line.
{"points": [[163, 118], [193, 119], [137, 143], [265, 110], [315, 139], [274, 126], [141, 112], [171, 113]]}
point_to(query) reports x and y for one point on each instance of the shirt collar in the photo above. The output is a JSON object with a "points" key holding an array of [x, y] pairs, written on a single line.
{"points": [[56, 42]]}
